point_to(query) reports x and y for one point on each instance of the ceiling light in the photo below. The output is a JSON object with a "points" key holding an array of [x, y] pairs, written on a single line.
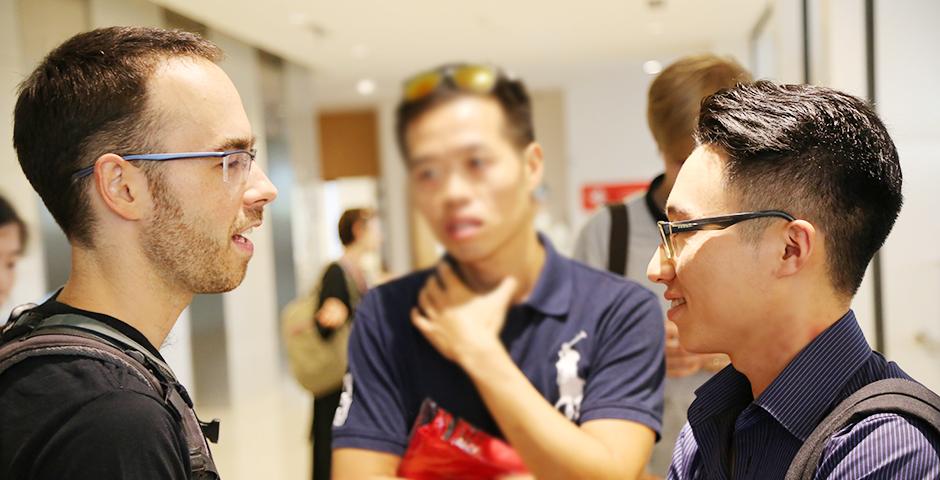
{"points": [[365, 87], [652, 67]]}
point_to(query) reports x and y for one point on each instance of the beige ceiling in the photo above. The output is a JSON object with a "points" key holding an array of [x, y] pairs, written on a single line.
{"points": [[346, 40]]}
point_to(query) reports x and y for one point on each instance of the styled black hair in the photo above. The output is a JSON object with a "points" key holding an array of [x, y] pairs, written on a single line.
{"points": [[88, 97], [819, 154]]}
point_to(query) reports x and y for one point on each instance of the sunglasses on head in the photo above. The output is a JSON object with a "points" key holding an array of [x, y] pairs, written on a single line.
{"points": [[471, 78]]}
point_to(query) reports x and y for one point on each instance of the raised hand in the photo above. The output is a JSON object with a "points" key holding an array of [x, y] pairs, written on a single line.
{"points": [[457, 321]]}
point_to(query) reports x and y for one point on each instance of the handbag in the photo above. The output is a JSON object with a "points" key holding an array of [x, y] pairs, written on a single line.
{"points": [[316, 362]]}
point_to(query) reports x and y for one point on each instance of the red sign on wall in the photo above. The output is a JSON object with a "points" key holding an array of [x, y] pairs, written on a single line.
{"points": [[594, 195]]}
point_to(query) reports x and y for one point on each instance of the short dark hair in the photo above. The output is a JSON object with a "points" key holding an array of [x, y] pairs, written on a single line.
{"points": [[509, 92], [817, 153], [8, 215], [88, 97], [348, 221]]}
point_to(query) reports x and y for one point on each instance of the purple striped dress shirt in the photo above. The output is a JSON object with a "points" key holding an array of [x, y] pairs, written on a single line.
{"points": [[732, 436]]}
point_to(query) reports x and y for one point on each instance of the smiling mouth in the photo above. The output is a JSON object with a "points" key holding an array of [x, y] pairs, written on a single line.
{"points": [[677, 302]]}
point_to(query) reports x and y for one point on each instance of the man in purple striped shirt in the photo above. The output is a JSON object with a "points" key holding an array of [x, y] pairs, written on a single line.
{"points": [[772, 222]]}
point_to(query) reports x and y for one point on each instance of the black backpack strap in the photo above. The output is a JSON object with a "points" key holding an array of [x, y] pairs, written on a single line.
{"points": [[619, 236], [60, 341], [895, 395], [31, 334]]}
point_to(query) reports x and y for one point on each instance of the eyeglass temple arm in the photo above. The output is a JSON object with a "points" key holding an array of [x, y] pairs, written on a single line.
{"points": [[718, 223]]}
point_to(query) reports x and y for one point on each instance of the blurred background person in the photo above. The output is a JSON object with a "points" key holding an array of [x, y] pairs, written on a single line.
{"points": [[573, 382], [630, 226], [344, 283], [12, 243]]}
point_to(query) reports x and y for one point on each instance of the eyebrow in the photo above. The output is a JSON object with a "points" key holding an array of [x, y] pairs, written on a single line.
{"points": [[236, 143]]}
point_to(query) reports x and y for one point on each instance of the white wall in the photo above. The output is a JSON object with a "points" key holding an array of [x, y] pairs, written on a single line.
{"points": [[608, 140], [107, 13], [786, 25], [907, 100], [306, 203], [393, 193]]}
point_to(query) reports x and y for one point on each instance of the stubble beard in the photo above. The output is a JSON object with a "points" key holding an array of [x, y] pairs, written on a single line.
{"points": [[185, 254]]}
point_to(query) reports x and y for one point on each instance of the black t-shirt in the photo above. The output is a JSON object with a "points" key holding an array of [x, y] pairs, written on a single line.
{"points": [[79, 418], [333, 284]]}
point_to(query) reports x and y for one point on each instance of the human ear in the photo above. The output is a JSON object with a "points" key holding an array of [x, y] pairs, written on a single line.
{"points": [[799, 242], [534, 163], [122, 187]]}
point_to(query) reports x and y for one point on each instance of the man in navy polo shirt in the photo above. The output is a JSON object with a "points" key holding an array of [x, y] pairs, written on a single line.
{"points": [[563, 361], [773, 220]]}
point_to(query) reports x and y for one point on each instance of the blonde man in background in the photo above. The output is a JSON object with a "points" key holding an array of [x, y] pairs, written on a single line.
{"points": [[672, 112]]}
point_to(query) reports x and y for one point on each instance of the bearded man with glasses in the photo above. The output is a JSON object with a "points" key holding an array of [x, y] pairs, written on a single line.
{"points": [[139, 146], [772, 222]]}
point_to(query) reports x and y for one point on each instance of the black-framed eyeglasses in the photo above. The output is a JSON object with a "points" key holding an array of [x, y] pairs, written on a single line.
{"points": [[236, 164], [668, 230], [473, 78]]}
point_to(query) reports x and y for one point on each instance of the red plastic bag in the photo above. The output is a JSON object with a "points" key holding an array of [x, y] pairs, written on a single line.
{"points": [[445, 447]]}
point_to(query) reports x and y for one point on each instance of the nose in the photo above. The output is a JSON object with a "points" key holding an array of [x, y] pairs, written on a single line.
{"points": [[659, 269], [260, 191], [457, 189]]}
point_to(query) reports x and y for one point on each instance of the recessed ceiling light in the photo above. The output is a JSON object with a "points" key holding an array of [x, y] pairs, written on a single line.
{"points": [[365, 87], [652, 67]]}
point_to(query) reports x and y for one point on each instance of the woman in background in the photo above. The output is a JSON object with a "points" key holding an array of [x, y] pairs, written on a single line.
{"points": [[12, 242], [344, 282]]}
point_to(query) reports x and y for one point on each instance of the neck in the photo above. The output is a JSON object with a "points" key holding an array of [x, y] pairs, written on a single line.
{"points": [[522, 257], [763, 356], [353, 253], [127, 289]]}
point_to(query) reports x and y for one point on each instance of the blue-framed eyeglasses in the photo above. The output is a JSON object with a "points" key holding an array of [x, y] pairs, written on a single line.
{"points": [[668, 230], [236, 164]]}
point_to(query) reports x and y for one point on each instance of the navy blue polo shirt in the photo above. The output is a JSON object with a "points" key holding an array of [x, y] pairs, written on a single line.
{"points": [[590, 342], [757, 439]]}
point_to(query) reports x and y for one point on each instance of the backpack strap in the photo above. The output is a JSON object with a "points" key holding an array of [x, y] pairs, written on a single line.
{"points": [[895, 395], [29, 334], [618, 253], [353, 288], [51, 341]]}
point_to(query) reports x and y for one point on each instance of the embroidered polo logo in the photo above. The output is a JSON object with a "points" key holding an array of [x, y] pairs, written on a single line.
{"points": [[345, 401], [570, 385]]}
